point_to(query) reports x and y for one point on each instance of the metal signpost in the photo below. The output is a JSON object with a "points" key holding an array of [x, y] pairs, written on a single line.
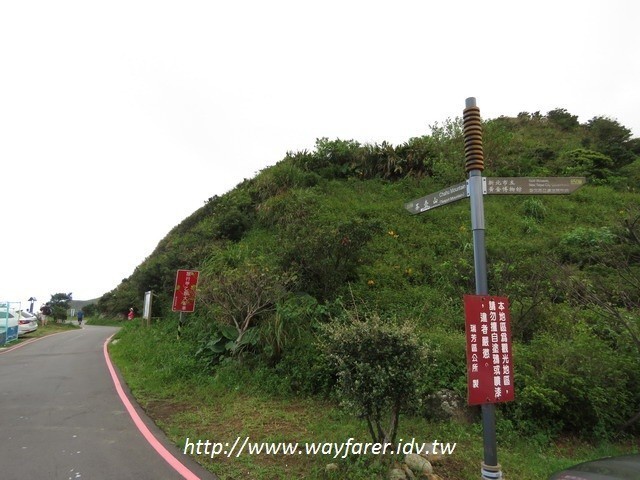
{"points": [[490, 378]]}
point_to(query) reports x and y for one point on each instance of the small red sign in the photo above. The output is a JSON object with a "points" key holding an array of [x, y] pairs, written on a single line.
{"points": [[489, 359], [184, 294]]}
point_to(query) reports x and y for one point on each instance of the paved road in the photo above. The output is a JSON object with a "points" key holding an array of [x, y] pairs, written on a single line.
{"points": [[61, 417]]}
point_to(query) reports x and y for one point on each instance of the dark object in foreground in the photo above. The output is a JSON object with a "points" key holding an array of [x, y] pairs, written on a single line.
{"points": [[624, 467]]}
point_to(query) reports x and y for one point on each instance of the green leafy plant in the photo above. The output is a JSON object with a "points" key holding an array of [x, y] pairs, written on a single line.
{"points": [[293, 316], [225, 341], [59, 304], [584, 244], [534, 208], [241, 289], [378, 365], [583, 162]]}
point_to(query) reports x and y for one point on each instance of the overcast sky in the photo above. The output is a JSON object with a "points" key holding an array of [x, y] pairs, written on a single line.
{"points": [[119, 119]]}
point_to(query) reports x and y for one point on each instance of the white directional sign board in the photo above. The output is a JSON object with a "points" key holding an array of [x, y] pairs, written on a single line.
{"points": [[438, 199], [531, 185]]}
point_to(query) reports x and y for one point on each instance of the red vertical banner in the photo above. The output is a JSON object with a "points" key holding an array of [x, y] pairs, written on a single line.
{"points": [[184, 294], [489, 358]]}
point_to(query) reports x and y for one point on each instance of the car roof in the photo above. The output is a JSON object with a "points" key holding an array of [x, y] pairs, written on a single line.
{"points": [[13, 313], [623, 467]]}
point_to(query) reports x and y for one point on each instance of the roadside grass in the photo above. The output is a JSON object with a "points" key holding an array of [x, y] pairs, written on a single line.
{"points": [[187, 401], [53, 327]]}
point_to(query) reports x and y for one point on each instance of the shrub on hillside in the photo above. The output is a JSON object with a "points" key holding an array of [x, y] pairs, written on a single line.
{"points": [[378, 365], [294, 315], [534, 208], [588, 163], [630, 176], [577, 384], [281, 177], [325, 253], [331, 158], [584, 245], [239, 289]]}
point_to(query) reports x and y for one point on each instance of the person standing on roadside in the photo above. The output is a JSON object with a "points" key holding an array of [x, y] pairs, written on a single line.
{"points": [[131, 315], [80, 315], [45, 312]]}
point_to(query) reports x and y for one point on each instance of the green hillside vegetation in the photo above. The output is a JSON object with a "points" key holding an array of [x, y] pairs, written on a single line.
{"points": [[321, 241]]}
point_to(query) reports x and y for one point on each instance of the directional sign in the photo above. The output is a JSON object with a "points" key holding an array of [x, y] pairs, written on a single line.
{"points": [[531, 185], [433, 200]]}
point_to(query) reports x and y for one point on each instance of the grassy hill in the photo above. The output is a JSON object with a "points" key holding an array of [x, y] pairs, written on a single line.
{"points": [[78, 304], [324, 234]]}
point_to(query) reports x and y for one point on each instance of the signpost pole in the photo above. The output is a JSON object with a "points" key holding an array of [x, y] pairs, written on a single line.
{"points": [[477, 225], [180, 321], [476, 187], [474, 165]]}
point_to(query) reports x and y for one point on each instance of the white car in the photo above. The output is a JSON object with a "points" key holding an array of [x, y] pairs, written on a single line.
{"points": [[27, 322]]}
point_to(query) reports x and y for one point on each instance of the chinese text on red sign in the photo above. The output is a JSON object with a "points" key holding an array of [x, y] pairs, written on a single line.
{"points": [[184, 296], [489, 359]]}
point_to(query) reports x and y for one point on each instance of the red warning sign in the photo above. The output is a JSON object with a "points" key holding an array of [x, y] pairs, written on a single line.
{"points": [[184, 294], [489, 359]]}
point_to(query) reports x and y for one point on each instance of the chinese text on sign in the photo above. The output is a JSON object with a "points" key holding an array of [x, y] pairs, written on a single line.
{"points": [[489, 359], [184, 296]]}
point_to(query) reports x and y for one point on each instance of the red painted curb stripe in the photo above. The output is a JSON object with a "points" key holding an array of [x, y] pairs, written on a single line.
{"points": [[153, 441]]}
